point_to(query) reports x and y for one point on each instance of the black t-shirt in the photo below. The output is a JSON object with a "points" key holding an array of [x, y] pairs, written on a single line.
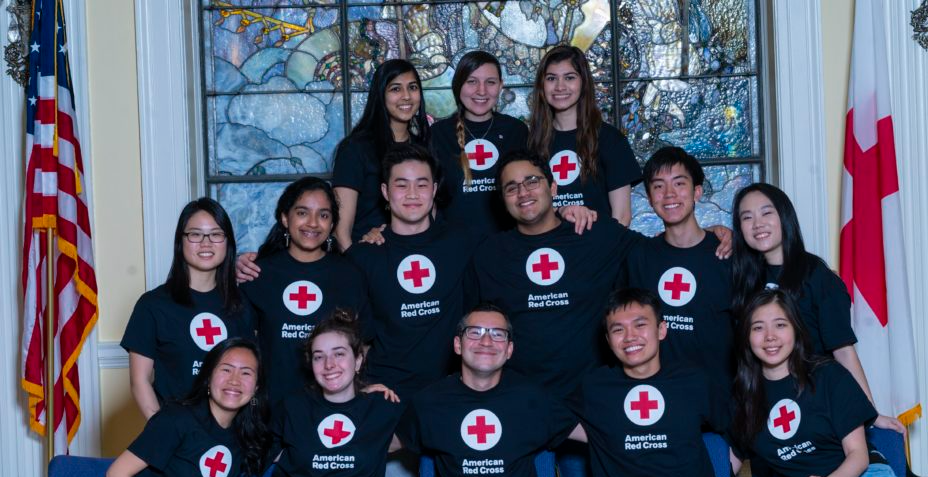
{"points": [[291, 298], [554, 287], [616, 168], [695, 291], [357, 166], [177, 337], [319, 437], [416, 289], [497, 431], [825, 307], [649, 427], [478, 204], [804, 430], [186, 441]]}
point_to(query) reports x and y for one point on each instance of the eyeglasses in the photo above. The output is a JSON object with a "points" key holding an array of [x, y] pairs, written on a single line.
{"points": [[530, 183], [198, 237], [476, 333]]}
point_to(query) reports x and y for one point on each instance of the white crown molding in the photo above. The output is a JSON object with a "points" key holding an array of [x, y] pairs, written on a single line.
{"points": [[797, 67]]}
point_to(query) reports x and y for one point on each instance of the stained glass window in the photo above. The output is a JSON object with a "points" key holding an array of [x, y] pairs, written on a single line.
{"points": [[285, 80]]}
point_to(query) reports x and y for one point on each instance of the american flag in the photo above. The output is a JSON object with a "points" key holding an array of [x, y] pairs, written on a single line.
{"points": [[55, 198]]}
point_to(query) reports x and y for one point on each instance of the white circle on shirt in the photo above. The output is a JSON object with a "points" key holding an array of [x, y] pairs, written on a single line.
{"points": [[565, 166], [644, 405], [481, 154], [545, 266], [481, 429], [335, 430], [302, 297], [677, 286], [784, 419], [416, 274], [216, 462], [207, 330]]}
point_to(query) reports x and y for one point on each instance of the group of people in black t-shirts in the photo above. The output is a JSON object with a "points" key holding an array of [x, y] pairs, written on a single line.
{"points": [[489, 304]]}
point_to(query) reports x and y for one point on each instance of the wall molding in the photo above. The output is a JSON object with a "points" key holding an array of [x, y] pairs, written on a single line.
{"points": [[112, 356], [797, 69]]}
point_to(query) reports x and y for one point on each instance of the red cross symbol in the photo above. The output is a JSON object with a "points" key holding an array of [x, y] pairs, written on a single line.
{"points": [[215, 464], [302, 297], [677, 286], [209, 332], [786, 417], [644, 405], [545, 266], [563, 168], [337, 433], [481, 429], [480, 155], [416, 273]]}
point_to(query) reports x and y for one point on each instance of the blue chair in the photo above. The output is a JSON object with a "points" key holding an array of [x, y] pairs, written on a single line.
{"points": [[891, 444], [544, 465], [75, 466], [718, 453]]}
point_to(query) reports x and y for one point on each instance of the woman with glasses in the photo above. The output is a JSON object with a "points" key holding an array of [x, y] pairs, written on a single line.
{"points": [[173, 326], [300, 281]]}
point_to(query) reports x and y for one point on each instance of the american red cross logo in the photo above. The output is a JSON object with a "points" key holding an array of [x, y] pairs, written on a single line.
{"points": [[545, 266], [481, 429], [302, 297], [416, 274], [216, 462], [677, 286], [644, 405], [784, 419], [565, 166], [335, 430], [206, 330], [481, 154]]}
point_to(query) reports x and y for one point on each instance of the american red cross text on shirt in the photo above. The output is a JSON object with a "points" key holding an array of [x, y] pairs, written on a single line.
{"points": [[480, 155], [564, 168], [209, 332], [481, 429], [643, 405], [785, 419], [677, 286], [336, 432], [302, 297], [416, 273], [215, 464], [545, 266]]}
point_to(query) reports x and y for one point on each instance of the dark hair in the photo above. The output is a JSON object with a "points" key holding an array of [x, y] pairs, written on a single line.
{"points": [[468, 63], [748, 394], [341, 321], [401, 153], [521, 155], [667, 157], [374, 124], [484, 307], [623, 297], [276, 239], [589, 116], [749, 265], [249, 423], [178, 282]]}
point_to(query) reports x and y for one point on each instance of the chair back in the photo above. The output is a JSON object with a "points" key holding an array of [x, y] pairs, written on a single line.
{"points": [[891, 444], [77, 466]]}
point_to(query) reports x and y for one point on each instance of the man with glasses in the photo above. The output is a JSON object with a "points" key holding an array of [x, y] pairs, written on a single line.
{"points": [[484, 420], [553, 282]]}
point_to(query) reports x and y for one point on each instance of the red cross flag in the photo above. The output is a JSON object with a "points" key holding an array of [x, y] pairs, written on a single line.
{"points": [[872, 254]]}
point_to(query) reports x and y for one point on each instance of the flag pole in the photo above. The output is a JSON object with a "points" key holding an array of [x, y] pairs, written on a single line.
{"points": [[50, 346]]}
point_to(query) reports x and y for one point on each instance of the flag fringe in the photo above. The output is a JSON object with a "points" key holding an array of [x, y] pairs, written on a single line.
{"points": [[909, 417]]}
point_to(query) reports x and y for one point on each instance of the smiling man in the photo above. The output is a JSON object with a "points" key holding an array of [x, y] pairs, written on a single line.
{"points": [[642, 418], [485, 420]]}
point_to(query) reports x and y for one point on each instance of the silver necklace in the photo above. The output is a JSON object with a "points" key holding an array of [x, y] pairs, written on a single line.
{"points": [[490, 127]]}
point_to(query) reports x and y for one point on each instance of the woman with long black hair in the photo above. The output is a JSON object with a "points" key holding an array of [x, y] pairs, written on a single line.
{"points": [[769, 253], [173, 326], [218, 429], [799, 413]]}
